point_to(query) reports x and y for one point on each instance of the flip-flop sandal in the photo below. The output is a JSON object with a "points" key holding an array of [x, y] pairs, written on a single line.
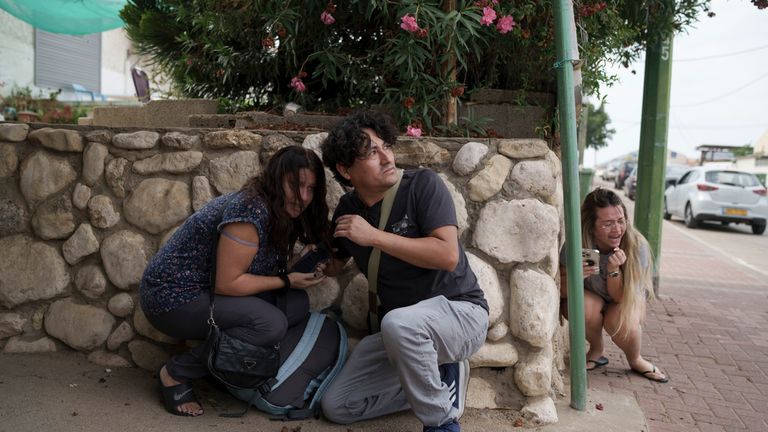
{"points": [[175, 396], [648, 374], [602, 361]]}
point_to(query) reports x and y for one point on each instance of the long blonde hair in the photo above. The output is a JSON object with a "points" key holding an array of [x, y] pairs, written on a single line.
{"points": [[637, 284]]}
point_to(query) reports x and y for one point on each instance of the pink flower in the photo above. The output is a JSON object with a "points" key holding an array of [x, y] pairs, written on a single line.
{"points": [[409, 24], [505, 24], [489, 16], [327, 18], [413, 131], [298, 84]]}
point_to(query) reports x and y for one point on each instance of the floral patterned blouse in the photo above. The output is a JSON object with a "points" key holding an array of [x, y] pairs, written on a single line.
{"points": [[181, 269]]}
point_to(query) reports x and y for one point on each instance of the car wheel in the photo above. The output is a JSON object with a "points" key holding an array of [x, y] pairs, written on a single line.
{"points": [[690, 221], [666, 213], [758, 229]]}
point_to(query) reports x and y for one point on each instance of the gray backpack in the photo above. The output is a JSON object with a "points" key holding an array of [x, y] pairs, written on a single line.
{"points": [[311, 355]]}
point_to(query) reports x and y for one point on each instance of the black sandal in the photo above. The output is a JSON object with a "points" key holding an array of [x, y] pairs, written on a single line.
{"points": [[177, 395]]}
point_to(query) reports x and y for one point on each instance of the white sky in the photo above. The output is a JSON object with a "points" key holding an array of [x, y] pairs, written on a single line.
{"points": [[735, 116]]}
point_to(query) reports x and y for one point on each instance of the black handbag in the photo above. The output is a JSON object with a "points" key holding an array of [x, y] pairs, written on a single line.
{"points": [[232, 361], [237, 363]]}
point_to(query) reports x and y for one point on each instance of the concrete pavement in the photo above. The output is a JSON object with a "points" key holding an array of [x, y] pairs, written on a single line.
{"points": [[64, 392]]}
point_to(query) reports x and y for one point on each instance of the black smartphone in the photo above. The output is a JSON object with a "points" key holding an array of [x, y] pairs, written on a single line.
{"points": [[310, 260]]}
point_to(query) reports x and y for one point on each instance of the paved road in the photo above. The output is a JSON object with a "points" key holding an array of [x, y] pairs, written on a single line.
{"points": [[707, 330]]}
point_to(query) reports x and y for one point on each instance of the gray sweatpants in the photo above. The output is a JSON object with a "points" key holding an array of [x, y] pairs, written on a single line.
{"points": [[397, 368]]}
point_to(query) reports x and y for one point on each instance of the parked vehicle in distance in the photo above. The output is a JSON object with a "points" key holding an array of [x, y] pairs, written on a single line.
{"points": [[674, 172], [625, 168], [609, 173], [717, 194], [630, 184]]}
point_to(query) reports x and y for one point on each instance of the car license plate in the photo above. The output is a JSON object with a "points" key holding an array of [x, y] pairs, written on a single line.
{"points": [[734, 212]]}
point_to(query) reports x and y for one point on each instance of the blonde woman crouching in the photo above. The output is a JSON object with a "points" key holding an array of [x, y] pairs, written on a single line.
{"points": [[615, 291]]}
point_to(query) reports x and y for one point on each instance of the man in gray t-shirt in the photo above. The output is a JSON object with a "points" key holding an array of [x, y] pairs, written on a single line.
{"points": [[433, 313]]}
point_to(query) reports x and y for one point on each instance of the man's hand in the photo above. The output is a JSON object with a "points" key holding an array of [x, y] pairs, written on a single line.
{"points": [[356, 229]]}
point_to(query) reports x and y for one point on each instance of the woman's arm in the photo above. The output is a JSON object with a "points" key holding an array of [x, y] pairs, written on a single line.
{"points": [[234, 256], [238, 245], [586, 271], [615, 285]]}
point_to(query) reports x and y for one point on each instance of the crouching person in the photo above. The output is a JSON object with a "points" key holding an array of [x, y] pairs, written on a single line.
{"points": [[434, 314]]}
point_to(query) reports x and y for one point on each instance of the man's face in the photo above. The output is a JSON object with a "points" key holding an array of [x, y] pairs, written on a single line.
{"points": [[375, 171]]}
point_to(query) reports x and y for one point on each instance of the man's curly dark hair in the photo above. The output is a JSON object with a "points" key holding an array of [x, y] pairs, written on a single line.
{"points": [[347, 141]]}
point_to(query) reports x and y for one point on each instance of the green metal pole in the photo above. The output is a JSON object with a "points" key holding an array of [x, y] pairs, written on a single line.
{"points": [[566, 103], [652, 158]]}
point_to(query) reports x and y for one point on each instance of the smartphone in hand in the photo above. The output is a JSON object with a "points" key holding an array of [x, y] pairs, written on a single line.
{"points": [[591, 257], [310, 260]]}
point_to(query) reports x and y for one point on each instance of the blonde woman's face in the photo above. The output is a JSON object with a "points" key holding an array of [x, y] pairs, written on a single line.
{"points": [[610, 226]]}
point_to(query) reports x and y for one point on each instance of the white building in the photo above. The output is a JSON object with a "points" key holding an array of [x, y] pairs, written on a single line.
{"points": [[757, 162], [47, 62]]}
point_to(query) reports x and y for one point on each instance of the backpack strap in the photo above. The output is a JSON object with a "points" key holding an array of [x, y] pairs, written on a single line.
{"points": [[340, 360], [373, 261], [324, 379], [302, 350]]}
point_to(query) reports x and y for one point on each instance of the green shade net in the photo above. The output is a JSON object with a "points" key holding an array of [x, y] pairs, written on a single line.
{"points": [[73, 17]]}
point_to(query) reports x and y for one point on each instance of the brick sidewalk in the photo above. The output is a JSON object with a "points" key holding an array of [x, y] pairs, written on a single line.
{"points": [[709, 332]]}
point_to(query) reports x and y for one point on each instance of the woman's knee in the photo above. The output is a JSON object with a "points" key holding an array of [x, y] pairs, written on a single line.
{"points": [[614, 324], [277, 330], [593, 308]]}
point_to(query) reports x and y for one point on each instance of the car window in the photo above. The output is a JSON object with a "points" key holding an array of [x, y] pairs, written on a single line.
{"points": [[686, 178], [732, 178], [675, 171]]}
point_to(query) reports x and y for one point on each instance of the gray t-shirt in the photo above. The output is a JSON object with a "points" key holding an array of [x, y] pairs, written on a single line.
{"points": [[597, 282], [421, 205]]}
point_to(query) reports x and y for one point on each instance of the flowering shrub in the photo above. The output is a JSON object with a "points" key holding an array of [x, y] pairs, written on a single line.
{"points": [[412, 55]]}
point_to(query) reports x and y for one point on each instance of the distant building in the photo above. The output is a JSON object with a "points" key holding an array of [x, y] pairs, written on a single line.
{"points": [[757, 162], [82, 67], [712, 153]]}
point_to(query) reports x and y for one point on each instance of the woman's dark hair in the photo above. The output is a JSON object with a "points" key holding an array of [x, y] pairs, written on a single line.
{"points": [[347, 141], [312, 225]]}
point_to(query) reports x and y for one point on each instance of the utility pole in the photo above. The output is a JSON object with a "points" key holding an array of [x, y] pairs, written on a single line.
{"points": [[652, 157], [567, 57]]}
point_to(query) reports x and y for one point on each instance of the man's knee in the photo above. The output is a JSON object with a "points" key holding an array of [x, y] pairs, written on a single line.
{"points": [[399, 324], [333, 409]]}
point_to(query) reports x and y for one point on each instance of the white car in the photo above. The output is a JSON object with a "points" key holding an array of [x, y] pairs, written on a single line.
{"points": [[717, 194]]}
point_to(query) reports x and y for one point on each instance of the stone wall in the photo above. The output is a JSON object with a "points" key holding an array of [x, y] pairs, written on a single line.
{"points": [[82, 210]]}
